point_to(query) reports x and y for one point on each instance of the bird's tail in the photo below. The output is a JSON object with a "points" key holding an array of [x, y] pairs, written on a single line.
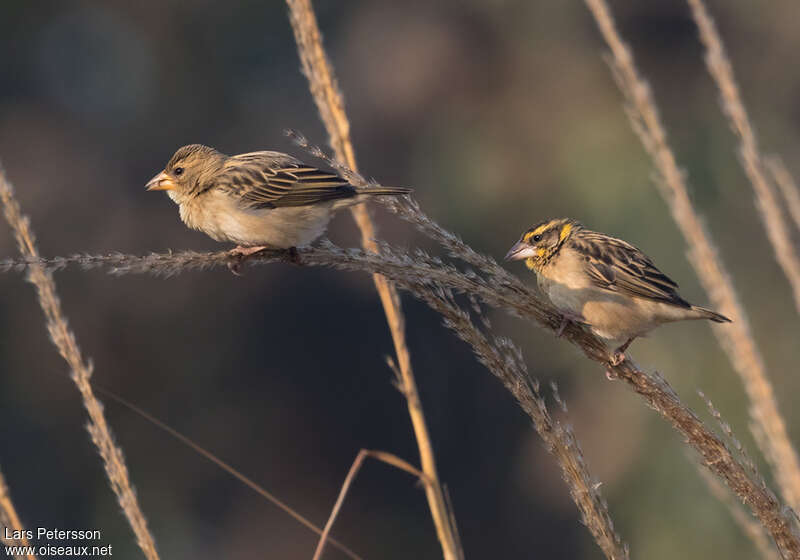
{"points": [[703, 313], [385, 191]]}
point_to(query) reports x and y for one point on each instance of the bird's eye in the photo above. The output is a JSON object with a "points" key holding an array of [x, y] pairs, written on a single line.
{"points": [[178, 171], [537, 238]]}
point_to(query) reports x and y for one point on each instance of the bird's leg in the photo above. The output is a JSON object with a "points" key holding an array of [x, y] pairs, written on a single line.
{"points": [[294, 256], [239, 255], [246, 251], [568, 317], [619, 354], [617, 357]]}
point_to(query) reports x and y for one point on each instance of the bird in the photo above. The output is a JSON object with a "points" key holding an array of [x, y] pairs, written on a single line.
{"points": [[257, 200], [603, 282]]}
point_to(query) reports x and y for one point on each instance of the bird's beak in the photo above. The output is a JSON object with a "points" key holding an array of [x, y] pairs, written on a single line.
{"points": [[519, 251], [161, 182]]}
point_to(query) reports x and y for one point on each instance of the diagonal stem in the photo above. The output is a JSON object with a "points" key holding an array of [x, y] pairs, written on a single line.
{"points": [[10, 519], [330, 105], [387, 458], [64, 339], [203, 452], [787, 186], [736, 338], [767, 201]]}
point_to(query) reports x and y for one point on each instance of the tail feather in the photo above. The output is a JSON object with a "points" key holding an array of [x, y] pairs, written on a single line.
{"points": [[385, 191], [704, 313]]}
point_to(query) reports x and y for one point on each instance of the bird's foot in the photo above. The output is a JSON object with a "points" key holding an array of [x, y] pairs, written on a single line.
{"points": [[568, 317], [239, 255], [235, 266], [617, 357]]}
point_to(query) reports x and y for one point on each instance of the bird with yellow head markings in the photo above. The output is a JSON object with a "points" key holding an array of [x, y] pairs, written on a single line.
{"points": [[603, 282]]}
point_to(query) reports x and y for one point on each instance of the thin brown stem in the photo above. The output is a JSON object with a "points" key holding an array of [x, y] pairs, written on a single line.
{"points": [[250, 483], [387, 458], [769, 207], [64, 340], [9, 519], [735, 338], [330, 105]]}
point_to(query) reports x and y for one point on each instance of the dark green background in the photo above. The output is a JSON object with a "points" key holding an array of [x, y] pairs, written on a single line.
{"points": [[500, 114]]}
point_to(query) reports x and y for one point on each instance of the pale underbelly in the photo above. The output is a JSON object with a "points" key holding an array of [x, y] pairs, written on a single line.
{"points": [[279, 227], [610, 316]]}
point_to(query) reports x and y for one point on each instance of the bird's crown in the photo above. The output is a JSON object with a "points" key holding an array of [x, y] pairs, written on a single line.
{"points": [[563, 226], [190, 152]]}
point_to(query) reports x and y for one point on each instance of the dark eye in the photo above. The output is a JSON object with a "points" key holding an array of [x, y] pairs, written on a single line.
{"points": [[178, 171], [537, 238]]}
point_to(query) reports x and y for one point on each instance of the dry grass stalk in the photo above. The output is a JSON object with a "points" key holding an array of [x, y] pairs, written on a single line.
{"points": [[735, 338], [10, 519], [720, 68], [330, 105], [258, 489], [787, 186], [81, 371], [497, 288], [387, 458]]}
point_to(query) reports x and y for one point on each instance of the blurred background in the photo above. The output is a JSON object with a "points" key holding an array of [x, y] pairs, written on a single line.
{"points": [[499, 114]]}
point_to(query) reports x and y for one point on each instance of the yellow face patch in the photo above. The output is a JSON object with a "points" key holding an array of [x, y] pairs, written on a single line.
{"points": [[534, 263], [544, 250], [565, 231]]}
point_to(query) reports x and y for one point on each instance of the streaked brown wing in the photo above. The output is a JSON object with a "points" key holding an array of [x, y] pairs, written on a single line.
{"points": [[274, 180], [620, 267]]}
